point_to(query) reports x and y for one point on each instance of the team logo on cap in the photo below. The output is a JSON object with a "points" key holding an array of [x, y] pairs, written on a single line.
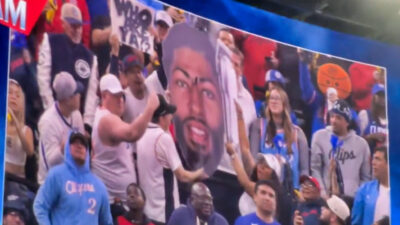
{"points": [[82, 68]]}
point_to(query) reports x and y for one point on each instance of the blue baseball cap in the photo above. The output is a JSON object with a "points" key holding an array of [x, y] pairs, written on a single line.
{"points": [[275, 76]]}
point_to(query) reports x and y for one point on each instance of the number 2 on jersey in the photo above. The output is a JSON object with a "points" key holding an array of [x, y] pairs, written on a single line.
{"points": [[92, 205]]}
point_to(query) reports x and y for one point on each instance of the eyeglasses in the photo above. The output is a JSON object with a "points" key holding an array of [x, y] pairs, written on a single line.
{"points": [[307, 185], [275, 97]]}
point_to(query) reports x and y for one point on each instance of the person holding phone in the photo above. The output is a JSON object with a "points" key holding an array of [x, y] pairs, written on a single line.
{"points": [[309, 206]]}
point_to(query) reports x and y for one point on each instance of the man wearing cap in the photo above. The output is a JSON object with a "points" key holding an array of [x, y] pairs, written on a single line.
{"points": [[111, 137], [71, 194], [335, 212], [349, 151], [372, 201], [139, 88], [15, 211], [309, 208], [274, 78], [199, 209], [159, 165], [373, 121], [64, 52], [57, 120]]}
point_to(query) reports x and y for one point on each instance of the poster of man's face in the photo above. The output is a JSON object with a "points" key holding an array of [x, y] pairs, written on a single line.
{"points": [[189, 63]]}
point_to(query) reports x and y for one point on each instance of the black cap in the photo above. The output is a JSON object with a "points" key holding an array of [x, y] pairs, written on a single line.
{"points": [[76, 135], [342, 108], [164, 108], [15, 203]]}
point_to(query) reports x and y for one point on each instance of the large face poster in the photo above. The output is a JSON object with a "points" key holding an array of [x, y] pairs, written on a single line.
{"points": [[250, 106]]}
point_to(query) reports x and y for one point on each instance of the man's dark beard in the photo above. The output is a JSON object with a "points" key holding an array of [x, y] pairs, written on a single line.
{"points": [[321, 222], [194, 159]]}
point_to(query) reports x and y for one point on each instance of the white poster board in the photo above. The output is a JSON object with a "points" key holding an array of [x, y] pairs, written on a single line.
{"points": [[131, 20]]}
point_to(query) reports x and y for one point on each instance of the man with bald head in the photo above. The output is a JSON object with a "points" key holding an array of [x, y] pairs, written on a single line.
{"points": [[199, 209]]}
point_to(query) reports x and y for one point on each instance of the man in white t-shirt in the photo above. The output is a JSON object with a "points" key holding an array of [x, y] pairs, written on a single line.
{"points": [[111, 138], [57, 120], [139, 88], [372, 201], [159, 165]]}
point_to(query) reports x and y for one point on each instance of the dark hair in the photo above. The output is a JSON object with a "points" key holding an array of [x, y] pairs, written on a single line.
{"points": [[268, 183], [342, 222], [384, 221], [254, 177], [349, 202], [155, 119], [138, 187], [382, 149], [193, 39]]}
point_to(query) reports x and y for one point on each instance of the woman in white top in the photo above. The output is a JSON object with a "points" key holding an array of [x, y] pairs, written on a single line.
{"points": [[19, 136]]}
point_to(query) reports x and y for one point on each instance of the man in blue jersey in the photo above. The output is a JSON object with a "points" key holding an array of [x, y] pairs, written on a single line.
{"points": [[71, 194], [265, 197]]}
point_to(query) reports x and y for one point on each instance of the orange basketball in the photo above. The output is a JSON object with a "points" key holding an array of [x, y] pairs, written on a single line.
{"points": [[332, 75]]}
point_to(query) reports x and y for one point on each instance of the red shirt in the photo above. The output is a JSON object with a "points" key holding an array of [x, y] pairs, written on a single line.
{"points": [[362, 80], [255, 49], [121, 220]]}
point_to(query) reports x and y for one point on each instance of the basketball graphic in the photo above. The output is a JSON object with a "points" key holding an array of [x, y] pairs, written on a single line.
{"points": [[332, 75]]}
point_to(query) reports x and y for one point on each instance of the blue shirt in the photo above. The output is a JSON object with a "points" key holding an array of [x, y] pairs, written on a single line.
{"points": [[71, 194], [364, 203], [252, 219]]}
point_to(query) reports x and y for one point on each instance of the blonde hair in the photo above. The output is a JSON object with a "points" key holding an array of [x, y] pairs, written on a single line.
{"points": [[20, 114]]}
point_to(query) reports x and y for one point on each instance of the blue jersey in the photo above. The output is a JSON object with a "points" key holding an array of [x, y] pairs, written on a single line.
{"points": [[279, 147], [374, 126], [252, 219], [71, 194]]}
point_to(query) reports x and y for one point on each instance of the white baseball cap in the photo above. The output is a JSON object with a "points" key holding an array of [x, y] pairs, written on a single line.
{"points": [[339, 207], [110, 82], [161, 15], [272, 162]]}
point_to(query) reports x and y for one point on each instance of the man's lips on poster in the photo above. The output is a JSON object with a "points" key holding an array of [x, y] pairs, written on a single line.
{"points": [[197, 134]]}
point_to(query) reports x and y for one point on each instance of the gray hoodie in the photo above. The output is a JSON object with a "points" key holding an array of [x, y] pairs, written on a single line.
{"points": [[354, 160]]}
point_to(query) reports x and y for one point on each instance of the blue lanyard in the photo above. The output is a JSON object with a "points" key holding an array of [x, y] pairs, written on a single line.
{"points": [[62, 117]]}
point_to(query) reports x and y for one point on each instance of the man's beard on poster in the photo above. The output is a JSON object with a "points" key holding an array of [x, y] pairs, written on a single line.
{"points": [[193, 157]]}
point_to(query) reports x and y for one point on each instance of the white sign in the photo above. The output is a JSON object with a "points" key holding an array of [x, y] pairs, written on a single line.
{"points": [[131, 20]]}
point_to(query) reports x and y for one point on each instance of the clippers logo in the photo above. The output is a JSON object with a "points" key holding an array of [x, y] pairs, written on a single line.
{"points": [[343, 156], [72, 187]]}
